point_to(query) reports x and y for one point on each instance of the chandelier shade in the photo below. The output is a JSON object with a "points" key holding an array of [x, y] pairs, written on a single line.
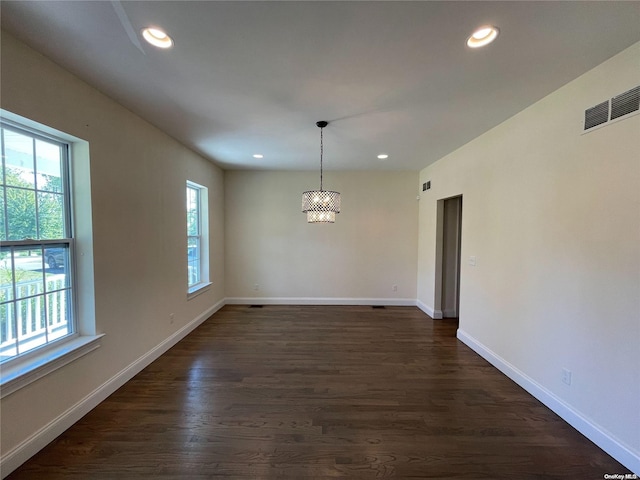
{"points": [[321, 205]]}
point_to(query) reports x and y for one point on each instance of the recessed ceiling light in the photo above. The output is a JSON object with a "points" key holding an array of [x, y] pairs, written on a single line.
{"points": [[383, 156], [157, 37], [258, 155], [483, 36]]}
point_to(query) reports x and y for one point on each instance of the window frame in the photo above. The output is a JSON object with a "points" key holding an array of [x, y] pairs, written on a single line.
{"points": [[39, 243], [202, 239], [23, 369]]}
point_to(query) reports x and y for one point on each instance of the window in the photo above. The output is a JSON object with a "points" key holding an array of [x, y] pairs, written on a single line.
{"points": [[36, 295], [197, 238], [47, 306]]}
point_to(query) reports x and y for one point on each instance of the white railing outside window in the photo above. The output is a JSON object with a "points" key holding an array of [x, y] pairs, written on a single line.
{"points": [[40, 317]]}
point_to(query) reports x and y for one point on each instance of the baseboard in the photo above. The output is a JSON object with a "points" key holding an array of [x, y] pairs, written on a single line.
{"points": [[425, 308], [435, 314], [34, 443], [594, 432], [399, 302]]}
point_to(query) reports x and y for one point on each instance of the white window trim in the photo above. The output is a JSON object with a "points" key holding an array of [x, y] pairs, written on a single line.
{"points": [[197, 289], [25, 369], [35, 365]]}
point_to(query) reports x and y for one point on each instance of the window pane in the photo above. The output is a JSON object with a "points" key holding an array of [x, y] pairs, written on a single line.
{"points": [[28, 276], [31, 329], [41, 311], [21, 212], [6, 275], [56, 259], [193, 260], [193, 221], [7, 332], [18, 152], [48, 166], [50, 216], [58, 318]]}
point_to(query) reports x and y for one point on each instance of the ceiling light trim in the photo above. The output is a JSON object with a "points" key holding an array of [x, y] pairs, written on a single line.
{"points": [[483, 36], [157, 37]]}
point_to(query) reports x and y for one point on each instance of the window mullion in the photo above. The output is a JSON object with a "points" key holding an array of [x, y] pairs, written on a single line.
{"points": [[44, 298], [198, 216], [35, 187], [66, 182], [4, 188]]}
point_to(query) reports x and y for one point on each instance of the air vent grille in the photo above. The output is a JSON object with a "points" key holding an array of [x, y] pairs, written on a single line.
{"points": [[625, 103], [621, 105], [597, 115]]}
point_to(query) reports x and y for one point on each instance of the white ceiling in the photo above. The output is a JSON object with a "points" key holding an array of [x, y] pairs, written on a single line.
{"points": [[393, 77]]}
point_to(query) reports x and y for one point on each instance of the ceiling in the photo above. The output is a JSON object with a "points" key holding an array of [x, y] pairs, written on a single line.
{"points": [[391, 77]]}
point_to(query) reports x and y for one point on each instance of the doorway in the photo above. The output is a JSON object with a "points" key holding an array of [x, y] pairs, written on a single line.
{"points": [[448, 257]]}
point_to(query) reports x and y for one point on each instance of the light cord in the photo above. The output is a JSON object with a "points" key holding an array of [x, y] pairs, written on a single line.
{"points": [[321, 152]]}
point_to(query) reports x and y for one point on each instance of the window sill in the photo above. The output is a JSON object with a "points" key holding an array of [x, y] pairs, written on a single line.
{"points": [[22, 373], [197, 290]]}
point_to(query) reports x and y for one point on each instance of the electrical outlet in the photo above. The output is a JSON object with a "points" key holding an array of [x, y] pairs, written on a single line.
{"points": [[256, 287], [566, 376], [394, 288], [171, 315]]}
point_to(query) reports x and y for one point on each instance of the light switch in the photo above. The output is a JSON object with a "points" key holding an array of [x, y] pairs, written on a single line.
{"points": [[472, 260]]}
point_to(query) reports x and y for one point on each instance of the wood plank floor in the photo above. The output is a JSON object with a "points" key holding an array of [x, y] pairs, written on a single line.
{"points": [[289, 392]]}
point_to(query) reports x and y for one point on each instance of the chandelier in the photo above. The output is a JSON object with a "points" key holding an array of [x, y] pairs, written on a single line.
{"points": [[321, 205]]}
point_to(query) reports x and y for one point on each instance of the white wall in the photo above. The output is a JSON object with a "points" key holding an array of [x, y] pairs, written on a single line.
{"points": [[138, 177], [553, 218], [371, 247]]}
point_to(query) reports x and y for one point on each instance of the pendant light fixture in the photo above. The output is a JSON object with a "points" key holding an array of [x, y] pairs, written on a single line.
{"points": [[321, 205]]}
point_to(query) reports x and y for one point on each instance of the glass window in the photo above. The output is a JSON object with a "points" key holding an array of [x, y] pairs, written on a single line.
{"points": [[36, 292], [197, 237]]}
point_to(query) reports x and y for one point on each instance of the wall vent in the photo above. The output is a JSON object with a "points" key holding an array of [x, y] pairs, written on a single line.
{"points": [[619, 106], [597, 115], [625, 103]]}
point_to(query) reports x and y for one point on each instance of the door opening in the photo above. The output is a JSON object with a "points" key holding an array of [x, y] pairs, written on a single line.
{"points": [[448, 256]]}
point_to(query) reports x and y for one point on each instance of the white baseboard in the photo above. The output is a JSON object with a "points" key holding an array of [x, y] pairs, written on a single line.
{"points": [[435, 314], [594, 432], [34, 443], [398, 302], [425, 308]]}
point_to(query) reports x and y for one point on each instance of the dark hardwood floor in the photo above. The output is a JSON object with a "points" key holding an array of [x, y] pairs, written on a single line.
{"points": [[286, 392]]}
